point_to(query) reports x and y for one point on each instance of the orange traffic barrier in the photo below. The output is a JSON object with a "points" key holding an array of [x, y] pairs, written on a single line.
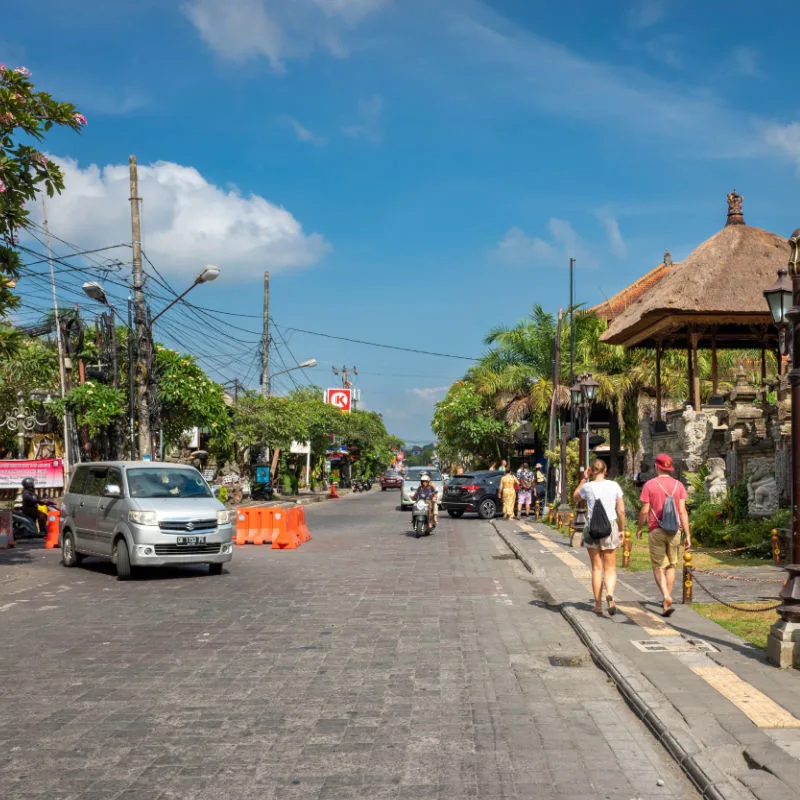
{"points": [[53, 519], [305, 533], [6, 530], [334, 494], [242, 525], [263, 525], [283, 538]]}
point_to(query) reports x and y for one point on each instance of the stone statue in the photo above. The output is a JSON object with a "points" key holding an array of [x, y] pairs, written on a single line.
{"points": [[735, 201], [762, 488], [697, 431], [716, 485]]}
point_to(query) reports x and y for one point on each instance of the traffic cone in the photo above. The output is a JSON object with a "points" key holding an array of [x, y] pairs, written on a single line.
{"points": [[334, 494]]}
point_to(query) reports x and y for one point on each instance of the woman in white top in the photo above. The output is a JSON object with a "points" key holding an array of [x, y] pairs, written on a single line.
{"points": [[602, 552]]}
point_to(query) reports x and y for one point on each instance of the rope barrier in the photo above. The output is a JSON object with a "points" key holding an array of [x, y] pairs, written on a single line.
{"points": [[734, 606]]}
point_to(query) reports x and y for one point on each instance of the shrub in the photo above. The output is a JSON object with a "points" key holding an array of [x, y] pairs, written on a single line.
{"points": [[222, 495]]}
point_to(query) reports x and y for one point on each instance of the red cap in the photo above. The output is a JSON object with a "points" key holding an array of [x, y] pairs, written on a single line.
{"points": [[663, 461]]}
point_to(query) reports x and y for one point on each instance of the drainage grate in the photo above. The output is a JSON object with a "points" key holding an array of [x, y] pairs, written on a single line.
{"points": [[674, 644], [565, 661], [505, 557]]}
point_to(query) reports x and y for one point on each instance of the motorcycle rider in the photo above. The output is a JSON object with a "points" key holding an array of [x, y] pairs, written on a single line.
{"points": [[427, 491], [30, 505]]}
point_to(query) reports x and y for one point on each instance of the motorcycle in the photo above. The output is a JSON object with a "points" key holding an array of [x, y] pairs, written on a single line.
{"points": [[24, 527], [421, 518], [367, 484]]}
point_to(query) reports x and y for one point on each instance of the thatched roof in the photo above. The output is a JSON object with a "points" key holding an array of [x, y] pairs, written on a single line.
{"points": [[610, 309], [718, 287]]}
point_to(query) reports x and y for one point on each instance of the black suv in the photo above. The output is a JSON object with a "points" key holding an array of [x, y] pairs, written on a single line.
{"points": [[476, 492]]}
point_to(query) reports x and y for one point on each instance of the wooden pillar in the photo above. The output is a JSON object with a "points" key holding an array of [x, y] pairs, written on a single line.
{"points": [[658, 381], [764, 371], [690, 363], [714, 364], [693, 337], [779, 362]]}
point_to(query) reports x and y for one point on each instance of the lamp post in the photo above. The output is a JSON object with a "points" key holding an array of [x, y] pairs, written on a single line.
{"points": [[22, 420], [96, 292], [783, 642], [583, 395], [310, 364]]}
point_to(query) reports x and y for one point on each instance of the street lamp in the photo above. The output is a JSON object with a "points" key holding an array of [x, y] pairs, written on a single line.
{"points": [[783, 642], [583, 395], [96, 292], [207, 274], [312, 362], [22, 420], [779, 300]]}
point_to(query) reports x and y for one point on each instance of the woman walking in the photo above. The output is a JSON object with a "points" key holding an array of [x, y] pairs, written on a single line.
{"points": [[508, 492], [602, 552]]}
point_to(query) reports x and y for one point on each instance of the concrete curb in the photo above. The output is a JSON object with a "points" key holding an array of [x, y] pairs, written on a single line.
{"points": [[683, 748]]}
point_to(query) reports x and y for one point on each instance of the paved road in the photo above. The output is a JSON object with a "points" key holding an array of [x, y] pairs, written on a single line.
{"points": [[367, 664]]}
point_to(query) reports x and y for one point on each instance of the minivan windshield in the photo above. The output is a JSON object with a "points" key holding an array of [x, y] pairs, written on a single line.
{"points": [[167, 483], [413, 474]]}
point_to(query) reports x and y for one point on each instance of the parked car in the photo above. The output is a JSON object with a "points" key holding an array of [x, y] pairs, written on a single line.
{"points": [[137, 513], [391, 480], [476, 492], [411, 482]]}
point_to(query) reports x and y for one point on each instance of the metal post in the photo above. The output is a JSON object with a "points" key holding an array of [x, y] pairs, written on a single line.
{"points": [[687, 578], [21, 428], [626, 550], [571, 321], [114, 344], [131, 410], [776, 547]]}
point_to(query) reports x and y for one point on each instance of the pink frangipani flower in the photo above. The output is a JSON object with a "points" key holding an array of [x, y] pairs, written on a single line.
{"points": [[80, 119], [24, 71], [2, 187]]}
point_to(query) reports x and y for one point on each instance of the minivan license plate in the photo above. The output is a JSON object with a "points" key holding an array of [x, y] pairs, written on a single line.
{"points": [[191, 540]]}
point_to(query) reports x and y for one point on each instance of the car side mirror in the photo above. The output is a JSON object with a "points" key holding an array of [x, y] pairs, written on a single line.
{"points": [[112, 490]]}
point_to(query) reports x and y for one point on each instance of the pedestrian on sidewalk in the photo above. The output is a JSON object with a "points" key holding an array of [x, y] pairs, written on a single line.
{"points": [[664, 523], [595, 487], [508, 492], [525, 478]]}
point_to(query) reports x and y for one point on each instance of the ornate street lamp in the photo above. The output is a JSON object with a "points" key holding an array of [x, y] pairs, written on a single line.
{"points": [[23, 420], [583, 395], [783, 643], [779, 300]]}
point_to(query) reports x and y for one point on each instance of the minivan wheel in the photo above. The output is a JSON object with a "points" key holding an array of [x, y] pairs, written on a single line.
{"points": [[487, 509], [69, 555], [215, 569], [455, 513], [123, 560]]}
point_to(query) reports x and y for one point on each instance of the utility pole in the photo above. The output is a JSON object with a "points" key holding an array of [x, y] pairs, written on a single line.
{"points": [[344, 372], [140, 319], [571, 321], [265, 382]]}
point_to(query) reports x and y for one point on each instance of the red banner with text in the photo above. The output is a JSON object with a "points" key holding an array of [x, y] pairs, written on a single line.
{"points": [[48, 473]]}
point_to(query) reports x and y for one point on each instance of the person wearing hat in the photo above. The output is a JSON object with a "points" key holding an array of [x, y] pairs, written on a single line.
{"points": [[427, 491], [664, 543]]}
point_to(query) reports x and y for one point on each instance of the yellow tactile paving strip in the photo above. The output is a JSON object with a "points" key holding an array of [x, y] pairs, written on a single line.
{"points": [[647, 621], [760, 709]]}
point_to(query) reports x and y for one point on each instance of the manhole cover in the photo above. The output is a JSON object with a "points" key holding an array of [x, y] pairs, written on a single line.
{"points": [[565, 661], [505, 557], [674, 644]]}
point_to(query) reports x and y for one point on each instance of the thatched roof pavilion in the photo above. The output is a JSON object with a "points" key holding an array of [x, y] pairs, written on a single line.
{"points": [[618, 304], [713, 299]]}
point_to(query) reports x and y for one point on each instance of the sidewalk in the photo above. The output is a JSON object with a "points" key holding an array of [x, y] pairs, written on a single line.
{"points": [[731, 720]]}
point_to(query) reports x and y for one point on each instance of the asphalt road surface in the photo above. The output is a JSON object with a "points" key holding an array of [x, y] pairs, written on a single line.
{"points": [[366, 664]]}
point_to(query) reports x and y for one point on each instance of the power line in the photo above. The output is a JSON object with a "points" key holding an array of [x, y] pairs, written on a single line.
{"points": [[377, 344]]}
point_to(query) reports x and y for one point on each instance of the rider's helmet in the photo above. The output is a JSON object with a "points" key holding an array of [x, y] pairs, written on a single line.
{"points": [[424, 477], [27, 483]]}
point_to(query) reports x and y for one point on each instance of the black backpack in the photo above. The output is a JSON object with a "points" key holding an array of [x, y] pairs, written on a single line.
{"points": [[599, 525]]}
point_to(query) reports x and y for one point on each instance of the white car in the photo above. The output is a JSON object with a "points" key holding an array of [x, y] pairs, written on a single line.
{"points": [[411, 482]]}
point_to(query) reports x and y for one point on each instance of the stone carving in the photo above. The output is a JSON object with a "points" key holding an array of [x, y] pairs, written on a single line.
{"points": [[697, 431], [762, 488], [716, 485], [735, 216]]}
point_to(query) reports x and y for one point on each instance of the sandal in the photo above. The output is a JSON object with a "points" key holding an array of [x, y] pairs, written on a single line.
{"points": [[598, 610], [669, 609], [612, 606]]}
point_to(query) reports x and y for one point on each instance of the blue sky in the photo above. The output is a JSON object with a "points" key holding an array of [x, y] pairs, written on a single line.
{"points": [[412, 172]]}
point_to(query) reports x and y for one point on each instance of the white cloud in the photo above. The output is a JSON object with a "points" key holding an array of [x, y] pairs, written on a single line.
{"points": [[785, 139], [615, 240], [430, 395], [186, 221], [744, 62], [278, 30], [369, 119], [645, 14], [517, 249], [303, 133]]}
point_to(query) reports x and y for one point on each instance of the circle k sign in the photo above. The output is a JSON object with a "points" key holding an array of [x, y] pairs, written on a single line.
{"points": [[341, 398]]}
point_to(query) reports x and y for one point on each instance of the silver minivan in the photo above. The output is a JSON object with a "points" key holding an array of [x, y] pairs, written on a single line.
{"points": [[140, 513]]}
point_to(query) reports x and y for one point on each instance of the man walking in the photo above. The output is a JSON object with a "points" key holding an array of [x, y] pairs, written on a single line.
{"points": [[664, 510], [525, 478]]}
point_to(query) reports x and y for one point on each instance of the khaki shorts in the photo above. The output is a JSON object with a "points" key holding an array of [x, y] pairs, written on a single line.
{"points": [[664, 547]]}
